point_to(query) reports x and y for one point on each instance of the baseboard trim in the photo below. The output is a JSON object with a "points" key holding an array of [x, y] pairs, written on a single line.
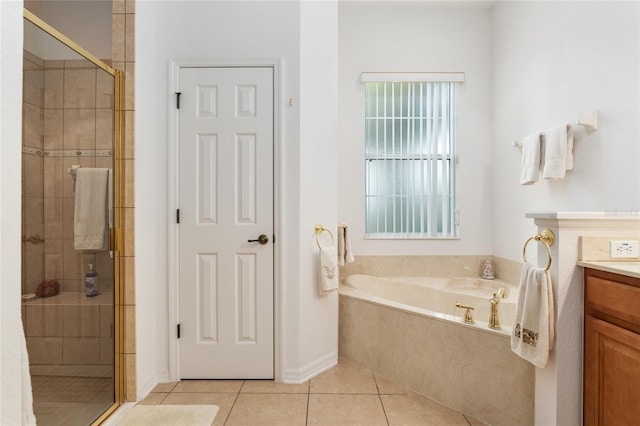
{"points": [[301, 375], [145, 389]]}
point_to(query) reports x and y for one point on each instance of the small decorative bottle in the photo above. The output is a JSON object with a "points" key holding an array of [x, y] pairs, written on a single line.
{"points": [[91, 282], [488, 270]]}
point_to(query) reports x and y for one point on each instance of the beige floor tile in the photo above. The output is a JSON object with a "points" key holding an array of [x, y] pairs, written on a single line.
{"points": [[474, 422], [346, 377], [387, 387], [224, 401], [345, 410], [269, 386], [164, 387], [415, 410], [232, 386], [154, 398], [268, 409]]}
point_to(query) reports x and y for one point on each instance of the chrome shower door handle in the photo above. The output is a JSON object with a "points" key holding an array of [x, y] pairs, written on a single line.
{"points": [[262, 239]]}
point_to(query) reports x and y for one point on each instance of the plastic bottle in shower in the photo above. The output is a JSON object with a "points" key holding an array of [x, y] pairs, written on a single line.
{"points": [[91, 282]]}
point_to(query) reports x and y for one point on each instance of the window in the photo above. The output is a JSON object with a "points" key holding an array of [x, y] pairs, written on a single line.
{"points": [[411, 162]]}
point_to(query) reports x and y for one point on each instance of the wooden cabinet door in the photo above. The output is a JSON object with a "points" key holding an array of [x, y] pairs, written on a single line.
{"points": [[611, 375]]}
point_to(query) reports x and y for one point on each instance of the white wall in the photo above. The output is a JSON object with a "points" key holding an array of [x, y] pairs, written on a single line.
{"points": [[554, 61], [318, 318], [418, 36], [217, 30], [10, 211]]}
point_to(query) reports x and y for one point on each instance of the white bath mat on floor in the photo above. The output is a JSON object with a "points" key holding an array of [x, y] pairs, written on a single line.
{"points": [[170, 415]]}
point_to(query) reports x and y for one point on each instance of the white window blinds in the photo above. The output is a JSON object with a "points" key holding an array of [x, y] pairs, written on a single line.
{"points": [[411, 159]]}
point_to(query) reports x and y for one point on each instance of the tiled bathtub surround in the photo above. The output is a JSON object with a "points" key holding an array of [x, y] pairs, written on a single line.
{"points": [[431, 266], [470, 370]]}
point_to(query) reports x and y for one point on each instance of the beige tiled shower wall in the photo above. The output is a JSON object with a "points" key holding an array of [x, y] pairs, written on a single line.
{"points": [[67, 120], [78, 122], [32, 172], [124, 59]]}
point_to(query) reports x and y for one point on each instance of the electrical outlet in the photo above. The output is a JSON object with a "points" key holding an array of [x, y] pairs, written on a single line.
{"points": [[623, 249]]}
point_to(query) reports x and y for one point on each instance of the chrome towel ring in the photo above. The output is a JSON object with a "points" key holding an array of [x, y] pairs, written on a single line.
{"points": [[548, 238]]}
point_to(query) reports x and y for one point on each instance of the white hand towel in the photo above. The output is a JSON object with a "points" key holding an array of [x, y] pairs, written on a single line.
{"points": [[348, 253], [345, 255], [533, 329], [558, 157], [530, 163], [341, 245], [569, 162], [91, 217], [328, 269]]}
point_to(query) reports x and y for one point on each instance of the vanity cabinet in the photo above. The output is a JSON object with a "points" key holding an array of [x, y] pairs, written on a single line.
{"points": [[611, 349]]}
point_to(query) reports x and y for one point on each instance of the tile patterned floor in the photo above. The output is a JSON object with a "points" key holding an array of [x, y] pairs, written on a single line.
{"points": [[64, 401], [346, 395]]}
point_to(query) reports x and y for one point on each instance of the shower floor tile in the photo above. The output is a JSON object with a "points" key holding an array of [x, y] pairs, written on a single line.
{"points": [[60, 400]]}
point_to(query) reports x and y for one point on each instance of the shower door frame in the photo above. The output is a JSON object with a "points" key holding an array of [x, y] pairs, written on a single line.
{"points": [[116, 234]]}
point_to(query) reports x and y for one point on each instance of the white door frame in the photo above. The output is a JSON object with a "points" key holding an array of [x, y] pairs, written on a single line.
{"points": [[173, 190]]}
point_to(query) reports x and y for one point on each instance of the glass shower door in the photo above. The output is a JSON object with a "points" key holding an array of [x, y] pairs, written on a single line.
{"points": [[70, 225]]}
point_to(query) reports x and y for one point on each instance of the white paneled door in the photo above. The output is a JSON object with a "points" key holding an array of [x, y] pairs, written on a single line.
{"points": [[226, 223]]}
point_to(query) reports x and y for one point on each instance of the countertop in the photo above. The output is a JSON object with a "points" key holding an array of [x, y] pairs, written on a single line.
{"points": [[630, 269]]}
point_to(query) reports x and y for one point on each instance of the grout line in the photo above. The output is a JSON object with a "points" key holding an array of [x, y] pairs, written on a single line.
{"points": [[306, 420], [380, 398], [465, 417], [233, 405], [348, 393]]}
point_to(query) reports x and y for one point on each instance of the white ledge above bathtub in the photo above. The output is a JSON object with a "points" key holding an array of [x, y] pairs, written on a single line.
{"points": [[610, 214]]}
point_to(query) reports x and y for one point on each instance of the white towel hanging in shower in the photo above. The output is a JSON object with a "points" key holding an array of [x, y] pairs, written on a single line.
{"points": [[91, 214]]}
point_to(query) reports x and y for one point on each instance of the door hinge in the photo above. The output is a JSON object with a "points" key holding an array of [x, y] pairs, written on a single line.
{"points": [[178, 99], [177, 215], [178, 331]]}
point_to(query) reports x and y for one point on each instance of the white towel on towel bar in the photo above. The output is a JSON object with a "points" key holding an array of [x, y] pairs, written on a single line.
{"points": [[91, 215], [345, 255], [530, 163], [558, 157], [533, 327], [328, 269]]}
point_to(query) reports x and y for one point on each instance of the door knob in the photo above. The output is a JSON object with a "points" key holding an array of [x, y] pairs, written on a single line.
{"points": [[262, 239]]}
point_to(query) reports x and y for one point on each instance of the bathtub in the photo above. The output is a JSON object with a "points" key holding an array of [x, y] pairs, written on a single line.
{"points": [[407, 329], [437, 297]]}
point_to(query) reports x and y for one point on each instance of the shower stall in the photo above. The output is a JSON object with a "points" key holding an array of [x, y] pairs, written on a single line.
{"points": [[72, 193]]}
